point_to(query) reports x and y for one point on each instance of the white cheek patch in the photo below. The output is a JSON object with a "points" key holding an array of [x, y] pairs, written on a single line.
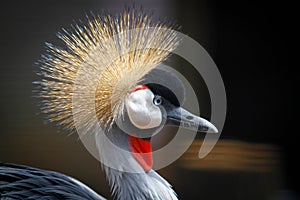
{"points": [[141, 111]]}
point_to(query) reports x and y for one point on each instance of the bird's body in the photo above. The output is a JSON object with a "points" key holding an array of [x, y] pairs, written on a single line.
{"points": [[22, 182], [96, 85]]}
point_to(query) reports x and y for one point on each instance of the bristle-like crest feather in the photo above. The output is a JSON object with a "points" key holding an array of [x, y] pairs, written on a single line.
{"points": [[103, 60]]}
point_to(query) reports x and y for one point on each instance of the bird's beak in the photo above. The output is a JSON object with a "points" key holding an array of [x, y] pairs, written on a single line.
{"points": [[180, 117]]}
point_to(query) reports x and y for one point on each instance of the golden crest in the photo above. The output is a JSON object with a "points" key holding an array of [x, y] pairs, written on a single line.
{"points": [[119, 51]]}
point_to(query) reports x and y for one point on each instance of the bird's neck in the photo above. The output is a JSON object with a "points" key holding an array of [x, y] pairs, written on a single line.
{"points": [[127, 162]]}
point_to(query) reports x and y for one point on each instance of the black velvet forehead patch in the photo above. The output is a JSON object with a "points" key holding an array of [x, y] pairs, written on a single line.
{"points": [[165, 92], [163, 81]]}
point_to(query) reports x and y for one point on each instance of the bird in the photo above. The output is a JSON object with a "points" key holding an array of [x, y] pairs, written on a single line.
{"points": [[102, 83]]}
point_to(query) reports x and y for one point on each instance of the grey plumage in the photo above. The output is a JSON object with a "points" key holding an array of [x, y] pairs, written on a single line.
{"points": [[22, 182]]}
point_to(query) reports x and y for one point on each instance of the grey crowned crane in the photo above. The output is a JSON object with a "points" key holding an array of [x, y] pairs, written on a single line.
{"points": [[97, 84]]}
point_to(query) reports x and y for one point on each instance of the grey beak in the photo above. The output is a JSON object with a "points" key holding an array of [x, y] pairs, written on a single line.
{"points": [[181, 117]]}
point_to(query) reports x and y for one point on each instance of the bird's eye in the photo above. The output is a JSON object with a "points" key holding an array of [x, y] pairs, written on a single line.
{"points": [[157, 100]]}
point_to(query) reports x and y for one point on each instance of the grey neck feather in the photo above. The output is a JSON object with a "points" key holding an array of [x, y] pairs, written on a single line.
{"points": [[126, 177]]}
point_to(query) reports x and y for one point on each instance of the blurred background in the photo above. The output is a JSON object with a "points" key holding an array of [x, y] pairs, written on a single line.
{"points": [[251, 43]]}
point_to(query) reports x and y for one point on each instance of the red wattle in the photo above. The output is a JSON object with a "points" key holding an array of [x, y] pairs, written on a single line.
{"points": [[142, 151]]}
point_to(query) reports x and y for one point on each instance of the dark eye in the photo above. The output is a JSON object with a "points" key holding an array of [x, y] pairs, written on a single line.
{"points": [[157, 100]]}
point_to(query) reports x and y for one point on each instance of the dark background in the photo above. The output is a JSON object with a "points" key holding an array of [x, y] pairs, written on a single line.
{"points": [[252, 44]]}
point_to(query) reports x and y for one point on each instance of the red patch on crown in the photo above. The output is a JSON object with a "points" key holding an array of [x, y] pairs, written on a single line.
{"points": [[142, 152], [140, 87]]}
